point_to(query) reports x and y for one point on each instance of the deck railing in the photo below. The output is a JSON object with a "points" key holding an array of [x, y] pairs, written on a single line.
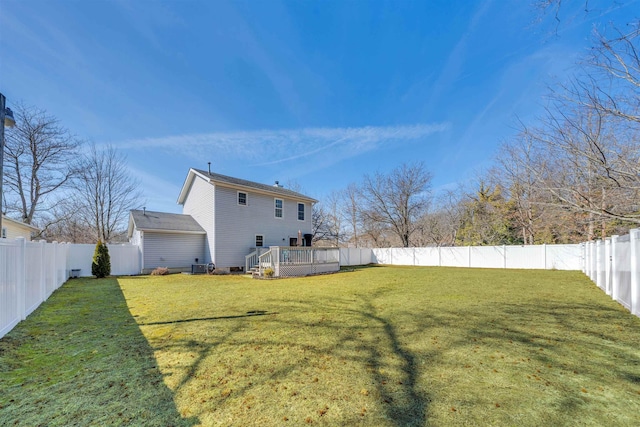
{"points": [[266, 260], [289, 261]]}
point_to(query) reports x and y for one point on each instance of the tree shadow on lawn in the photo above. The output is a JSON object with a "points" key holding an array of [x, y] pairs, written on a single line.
{"points": [[572, 354], [81, 359], [211, 369]]}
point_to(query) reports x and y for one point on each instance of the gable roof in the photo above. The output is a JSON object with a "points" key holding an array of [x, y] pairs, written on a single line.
{"points": [[241, 184], [163, 222]]}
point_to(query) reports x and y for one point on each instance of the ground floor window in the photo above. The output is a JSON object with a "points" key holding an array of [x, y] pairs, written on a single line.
{"points": [[259, 240]]}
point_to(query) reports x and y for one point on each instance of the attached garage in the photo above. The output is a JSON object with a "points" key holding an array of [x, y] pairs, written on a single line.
{"points": [[167, 240]]}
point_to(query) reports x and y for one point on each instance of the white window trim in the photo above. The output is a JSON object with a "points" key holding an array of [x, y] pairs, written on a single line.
{"points": [[304, 212], [275, 207], [246, 198]]}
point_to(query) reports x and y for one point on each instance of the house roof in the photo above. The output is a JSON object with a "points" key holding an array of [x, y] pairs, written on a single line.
{"points": [[217, 178], [20, 223], [163, 222]]}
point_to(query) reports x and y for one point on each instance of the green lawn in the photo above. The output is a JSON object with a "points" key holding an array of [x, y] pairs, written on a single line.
{"points": [[377, 346]]}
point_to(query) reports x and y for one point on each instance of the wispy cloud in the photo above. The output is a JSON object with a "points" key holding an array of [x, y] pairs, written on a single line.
{"points": [[281, 146]]}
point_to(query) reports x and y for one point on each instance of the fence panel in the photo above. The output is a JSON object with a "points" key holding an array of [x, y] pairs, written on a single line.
{"points": [[403, 256], [125, 259], [49, 269], [564, 257], [9, 309], [34, 290], [532, 256], [623, 271], [427, 256], [455, 256], [601, 279], [382, 256], [488, 256]]}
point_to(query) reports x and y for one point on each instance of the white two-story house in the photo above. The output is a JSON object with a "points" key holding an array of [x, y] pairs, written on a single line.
{"points": [[239, 215]]}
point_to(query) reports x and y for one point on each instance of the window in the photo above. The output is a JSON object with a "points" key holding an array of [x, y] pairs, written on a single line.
{"points": [[278, 204], [4, 233], [242, 198], [300, 211], [259, 241]]}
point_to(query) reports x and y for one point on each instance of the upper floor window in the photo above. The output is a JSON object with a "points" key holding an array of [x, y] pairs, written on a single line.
{"points": [[278, 205], [242, 198], [4, 233], [300, 211]]}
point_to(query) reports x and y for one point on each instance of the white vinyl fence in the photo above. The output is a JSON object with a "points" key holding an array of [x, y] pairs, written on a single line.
{"points": [[559, 257], [614, 265], [31, 271]]}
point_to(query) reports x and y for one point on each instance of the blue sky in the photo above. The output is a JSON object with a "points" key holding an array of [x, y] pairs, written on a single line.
{"points": [[317, 93]]}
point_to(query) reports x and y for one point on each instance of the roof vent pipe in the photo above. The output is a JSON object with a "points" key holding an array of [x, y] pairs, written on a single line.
{"points": [[209, 163], [144, 210], [277, 184]]}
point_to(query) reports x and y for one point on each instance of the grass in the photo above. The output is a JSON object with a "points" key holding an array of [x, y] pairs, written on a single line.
{"points": [[377, 346]]}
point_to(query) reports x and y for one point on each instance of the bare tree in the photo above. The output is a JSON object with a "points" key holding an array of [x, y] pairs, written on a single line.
{"points": [[440, 226], [398, 200], [613, 85], [351, 211], [39, 158], [105, 192]]}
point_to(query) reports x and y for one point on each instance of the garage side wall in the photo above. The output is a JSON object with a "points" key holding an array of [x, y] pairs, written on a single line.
{"points": [[172, 250]]}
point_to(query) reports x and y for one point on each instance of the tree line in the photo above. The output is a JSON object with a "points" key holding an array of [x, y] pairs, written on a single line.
{"points": [[571, 175], [71, 190]]}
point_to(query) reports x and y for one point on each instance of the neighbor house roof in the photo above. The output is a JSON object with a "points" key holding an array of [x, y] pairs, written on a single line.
{"points": [[163, 222], [217, 178], [20, 223]]}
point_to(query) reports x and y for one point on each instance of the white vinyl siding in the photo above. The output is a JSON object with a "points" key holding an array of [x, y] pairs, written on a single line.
{"points": [[12, 230], [199, 204], [173, 250], [236, 226]]}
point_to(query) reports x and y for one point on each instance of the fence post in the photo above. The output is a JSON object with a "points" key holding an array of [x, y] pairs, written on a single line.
{"points": [[43, 282], [607, 265], [504, 256], [587, 264], [468, 256], [439, 256], [544, 250], [21, 277], [598, 262], [54, 265], [634, 241], [614, 269]]}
